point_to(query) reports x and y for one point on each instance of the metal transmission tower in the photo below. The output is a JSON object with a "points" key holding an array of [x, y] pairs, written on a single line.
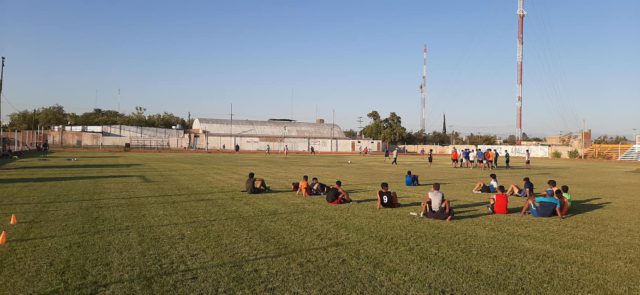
{"points": [[521, 13], [423, 94]]}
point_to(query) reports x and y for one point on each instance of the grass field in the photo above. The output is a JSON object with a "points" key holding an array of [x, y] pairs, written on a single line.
{"points": [[152, 223]]}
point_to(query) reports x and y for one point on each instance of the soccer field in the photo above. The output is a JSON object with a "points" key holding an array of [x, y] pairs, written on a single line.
{"points": [[153, 223]]}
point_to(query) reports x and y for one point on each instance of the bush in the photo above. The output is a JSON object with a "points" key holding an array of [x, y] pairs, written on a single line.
{"points": [[574, 154], [556, 154]]}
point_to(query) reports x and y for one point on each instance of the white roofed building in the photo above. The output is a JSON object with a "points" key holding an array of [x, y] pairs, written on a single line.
{"points": [[275, 134]]}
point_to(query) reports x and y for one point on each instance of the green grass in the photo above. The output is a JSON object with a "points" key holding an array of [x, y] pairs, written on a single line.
{"points": [[177, 223]]}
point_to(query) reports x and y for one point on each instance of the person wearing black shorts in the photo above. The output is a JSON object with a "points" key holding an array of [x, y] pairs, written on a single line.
{"points": [[387, 198], [318, 188], [435, 206], [430, 157], [255, 185], [337, 195]]}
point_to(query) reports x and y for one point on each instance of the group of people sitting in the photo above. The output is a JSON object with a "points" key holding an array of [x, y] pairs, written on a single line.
{"points": [[554, 201], [334, 195], [434, 206]]}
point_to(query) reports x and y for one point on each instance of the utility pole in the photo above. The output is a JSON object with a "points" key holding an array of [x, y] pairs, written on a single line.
{"points": [[231, 128], [1, 80], [333, 124], [423, 93], [521, 13], [583, 128], [360, 126], [185, 127]]}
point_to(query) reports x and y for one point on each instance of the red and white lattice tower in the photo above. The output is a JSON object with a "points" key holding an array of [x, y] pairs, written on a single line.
{"points": [[521, 13]]}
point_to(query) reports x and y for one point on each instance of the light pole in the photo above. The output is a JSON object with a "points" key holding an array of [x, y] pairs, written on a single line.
{"points": [[1, 80]]}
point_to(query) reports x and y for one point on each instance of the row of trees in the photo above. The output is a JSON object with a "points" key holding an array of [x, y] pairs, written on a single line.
{"points": [[390, 130], [606, 139], [46, 117]]}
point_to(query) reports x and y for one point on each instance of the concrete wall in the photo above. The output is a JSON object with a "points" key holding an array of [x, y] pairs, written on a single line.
{"points": [[514, 151], [22, 140], [277, 144]]}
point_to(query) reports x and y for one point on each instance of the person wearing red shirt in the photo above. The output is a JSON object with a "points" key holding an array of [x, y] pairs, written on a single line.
{"points": [[454, 158], [498, 203]]}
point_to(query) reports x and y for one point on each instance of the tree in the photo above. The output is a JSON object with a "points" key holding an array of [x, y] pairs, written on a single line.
{"points": [[24, 120], [605, 139], [351, 133], [51, 116], [439, 138], [511, 139], [418, 137], [46, 117], [483, 139], [392, 130], [374, 129]]}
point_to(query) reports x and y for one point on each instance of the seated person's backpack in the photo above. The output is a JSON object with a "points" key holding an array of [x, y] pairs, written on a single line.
{"points": [[295, 186]]}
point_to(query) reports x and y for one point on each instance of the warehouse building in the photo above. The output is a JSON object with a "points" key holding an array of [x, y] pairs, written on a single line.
{"points": [[275, 133]]}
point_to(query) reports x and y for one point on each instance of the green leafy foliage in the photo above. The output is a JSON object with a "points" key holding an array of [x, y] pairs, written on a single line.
{"points": [[46, 117], [574, 154]]}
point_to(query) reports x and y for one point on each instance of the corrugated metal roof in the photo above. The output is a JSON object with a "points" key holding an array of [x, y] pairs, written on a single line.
{"points": [[268, 128]]}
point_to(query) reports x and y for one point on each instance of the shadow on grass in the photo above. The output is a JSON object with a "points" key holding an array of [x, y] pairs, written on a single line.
{"points": [[468, 205], [477, 215], [68, 178], [584, 206], [25, 155], [428, 184], [109, 199], [412, 204], [86, 157], [200, 222], [90, 166]]}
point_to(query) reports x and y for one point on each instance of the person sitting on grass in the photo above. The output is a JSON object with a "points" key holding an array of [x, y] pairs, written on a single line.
{"points": [[387, 198], [318, 188], [552, 187], [256, 185], [564, 203], [337, 195], [303, 187], [498, 203], [483, 188], [525, 191], [435, 206], [542, 206], [565, 193], [411, 180]]}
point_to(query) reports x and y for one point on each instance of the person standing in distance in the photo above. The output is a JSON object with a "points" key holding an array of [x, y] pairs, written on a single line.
{"points": [[395, 157]]}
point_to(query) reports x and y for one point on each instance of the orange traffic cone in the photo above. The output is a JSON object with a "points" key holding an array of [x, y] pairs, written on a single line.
{"points": [[3, 238], [13, 221]]}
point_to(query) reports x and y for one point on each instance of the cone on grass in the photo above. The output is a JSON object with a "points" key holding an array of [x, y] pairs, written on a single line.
{"points": [[14, 220], [3, 238]]}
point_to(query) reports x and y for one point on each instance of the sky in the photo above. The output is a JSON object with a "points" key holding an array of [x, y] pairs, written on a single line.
{"points": [[305, 59]]}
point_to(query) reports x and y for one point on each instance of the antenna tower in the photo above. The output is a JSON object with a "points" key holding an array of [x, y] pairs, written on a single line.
{"points": [[521, 13], [423, 94]]}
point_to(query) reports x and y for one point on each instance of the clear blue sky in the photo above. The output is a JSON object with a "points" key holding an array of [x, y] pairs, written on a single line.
{"points": [[581, 60]]}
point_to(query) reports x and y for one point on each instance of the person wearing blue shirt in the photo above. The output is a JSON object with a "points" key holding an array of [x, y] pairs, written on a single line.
{"points": [[542, 206], [411, 180], [480, 157]]}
